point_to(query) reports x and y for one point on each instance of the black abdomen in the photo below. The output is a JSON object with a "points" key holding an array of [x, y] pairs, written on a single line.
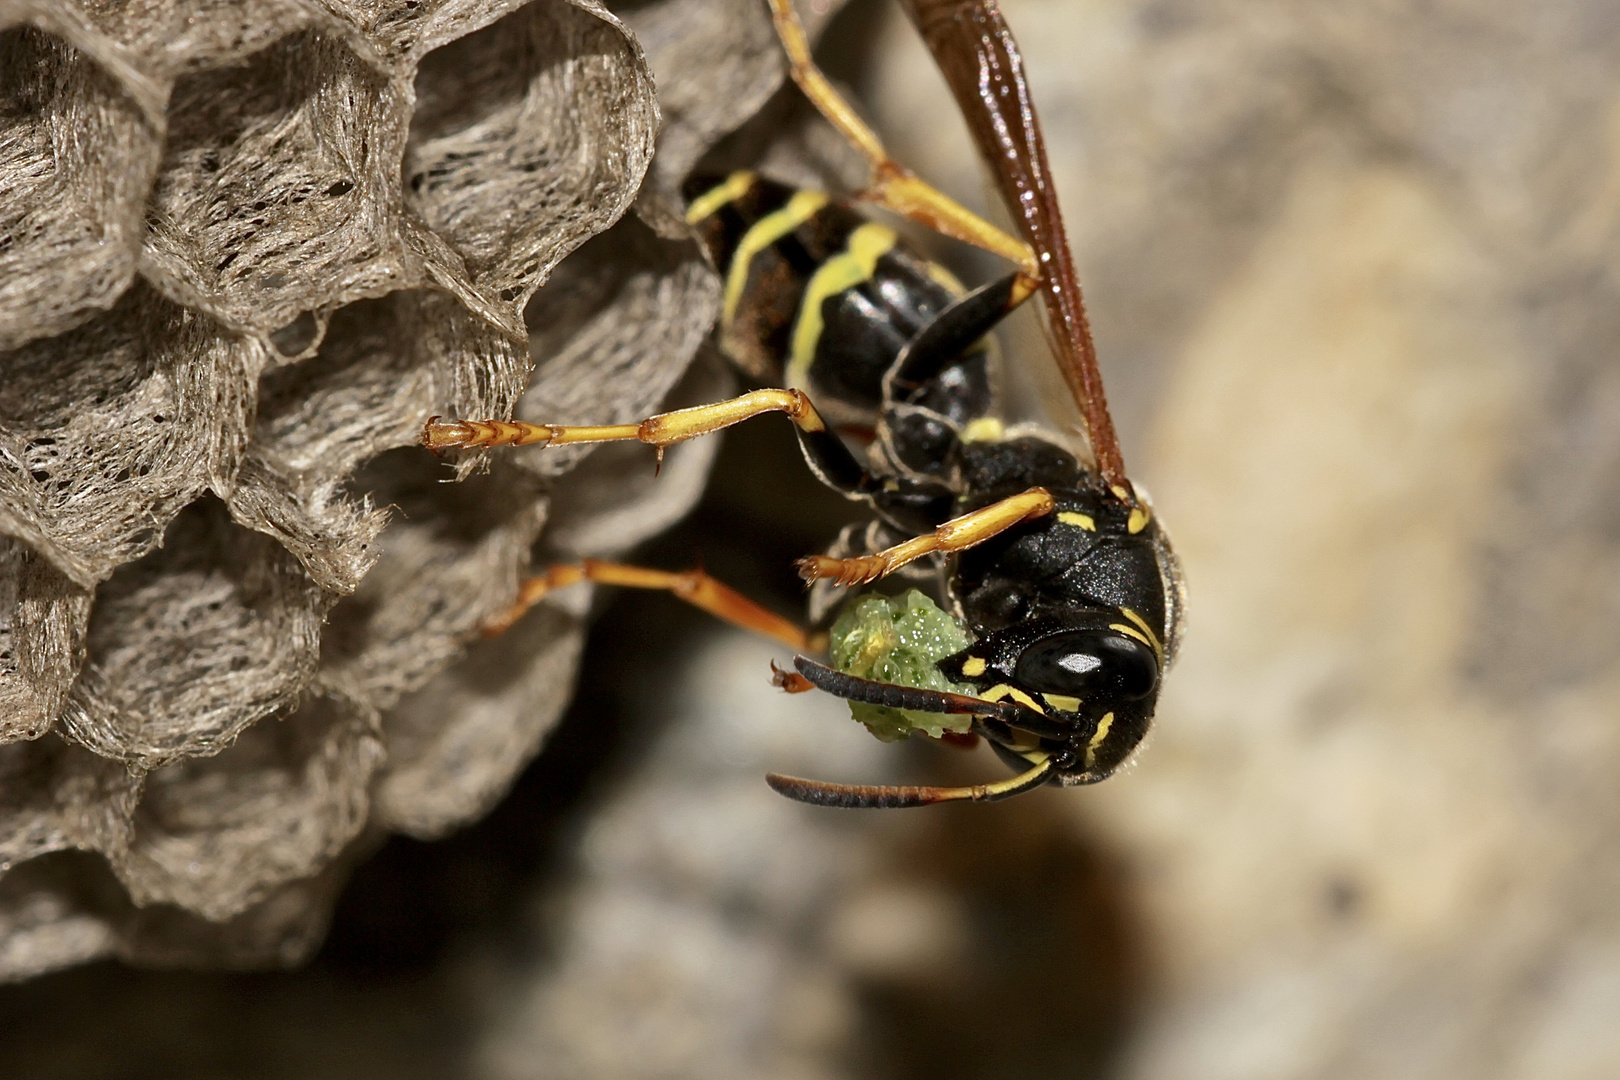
{"points": [[816, 296]]}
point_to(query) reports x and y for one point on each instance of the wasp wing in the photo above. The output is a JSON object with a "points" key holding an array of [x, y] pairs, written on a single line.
{"points": [[975, 50]]}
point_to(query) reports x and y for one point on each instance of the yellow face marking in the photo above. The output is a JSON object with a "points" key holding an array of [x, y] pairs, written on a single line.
{"points": [[728, 190], [1158, 649], [1002, 690], [973, 666], [1097, 740], [765, 232], [855, 264], [984, 429], [1071, 517], [1140, 516], [1062, 701], [1121, 494]]}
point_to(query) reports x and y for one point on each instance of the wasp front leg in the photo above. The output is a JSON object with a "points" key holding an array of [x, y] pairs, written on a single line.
{"points": [[958, 534]]}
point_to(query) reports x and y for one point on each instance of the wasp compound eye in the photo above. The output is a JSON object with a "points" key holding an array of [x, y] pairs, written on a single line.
{"points": [[1089, 664]]}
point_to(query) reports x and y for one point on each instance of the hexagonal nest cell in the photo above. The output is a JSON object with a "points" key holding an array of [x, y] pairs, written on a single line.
{"points": [[246, 248]]}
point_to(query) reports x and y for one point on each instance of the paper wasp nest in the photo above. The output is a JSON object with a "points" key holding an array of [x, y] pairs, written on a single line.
{"points": [[246, 248]]}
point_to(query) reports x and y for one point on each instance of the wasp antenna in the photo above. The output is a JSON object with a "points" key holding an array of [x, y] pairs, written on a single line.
{"points": [[791, 681], [854, 688], [890, 797]]}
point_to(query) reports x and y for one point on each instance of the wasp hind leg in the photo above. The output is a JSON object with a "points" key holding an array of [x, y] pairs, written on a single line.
{"points": [[892, 184], [694, 586]]}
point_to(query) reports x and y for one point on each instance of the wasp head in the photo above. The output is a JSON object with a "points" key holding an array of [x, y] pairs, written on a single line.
{"points": [[1095, 673]]}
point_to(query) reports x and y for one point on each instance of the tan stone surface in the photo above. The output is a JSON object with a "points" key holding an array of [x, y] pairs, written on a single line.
{"points": [[1352, 269], [1352, 272]]}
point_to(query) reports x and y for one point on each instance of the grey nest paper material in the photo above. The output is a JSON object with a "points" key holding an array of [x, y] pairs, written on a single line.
{"points": [[245, 250]]}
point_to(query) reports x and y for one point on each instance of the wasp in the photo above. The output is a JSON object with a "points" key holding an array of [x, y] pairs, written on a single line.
{"points": [[1062, 600]]}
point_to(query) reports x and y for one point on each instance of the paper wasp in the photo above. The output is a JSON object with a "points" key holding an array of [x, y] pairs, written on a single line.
{"points": [[1064, 599]]}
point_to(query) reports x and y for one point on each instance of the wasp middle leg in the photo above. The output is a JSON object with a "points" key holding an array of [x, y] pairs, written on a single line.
{"points": [[824, 451], [660, 431]]}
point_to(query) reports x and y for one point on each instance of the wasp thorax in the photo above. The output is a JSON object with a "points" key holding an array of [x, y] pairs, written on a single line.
{"points": [[1089, 664]]}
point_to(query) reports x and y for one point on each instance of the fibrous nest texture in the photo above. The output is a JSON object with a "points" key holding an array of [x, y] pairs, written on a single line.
{"points": [[246, 248]]}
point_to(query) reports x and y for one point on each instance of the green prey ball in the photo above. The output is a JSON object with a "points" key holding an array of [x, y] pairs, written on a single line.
{"points": [[899, 640]]}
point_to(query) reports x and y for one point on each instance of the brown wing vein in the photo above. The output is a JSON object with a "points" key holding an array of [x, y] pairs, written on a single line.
{"points": [[980, 60]]}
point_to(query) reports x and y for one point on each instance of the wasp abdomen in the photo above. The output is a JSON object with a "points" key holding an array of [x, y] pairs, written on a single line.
{"points": [[816, 296]]}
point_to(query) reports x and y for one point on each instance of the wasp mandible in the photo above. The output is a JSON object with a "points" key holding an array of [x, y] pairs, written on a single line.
{"points": [[1062, 601]]}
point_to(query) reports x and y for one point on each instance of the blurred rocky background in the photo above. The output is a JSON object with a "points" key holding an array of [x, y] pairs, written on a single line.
{"points": [[1352, 269]]}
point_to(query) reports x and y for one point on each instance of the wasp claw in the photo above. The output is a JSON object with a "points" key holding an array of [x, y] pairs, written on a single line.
{"points": [[809, 568], [440, 434]]}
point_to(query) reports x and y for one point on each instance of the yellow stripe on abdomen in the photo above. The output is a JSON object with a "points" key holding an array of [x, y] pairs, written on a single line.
{"points": [[765, 232], [722, 194], [855, 264]]}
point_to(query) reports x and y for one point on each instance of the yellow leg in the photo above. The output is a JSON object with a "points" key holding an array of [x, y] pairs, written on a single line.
{"points": [[694, 586], [958, 534], [660, 431], [892, 184]]}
